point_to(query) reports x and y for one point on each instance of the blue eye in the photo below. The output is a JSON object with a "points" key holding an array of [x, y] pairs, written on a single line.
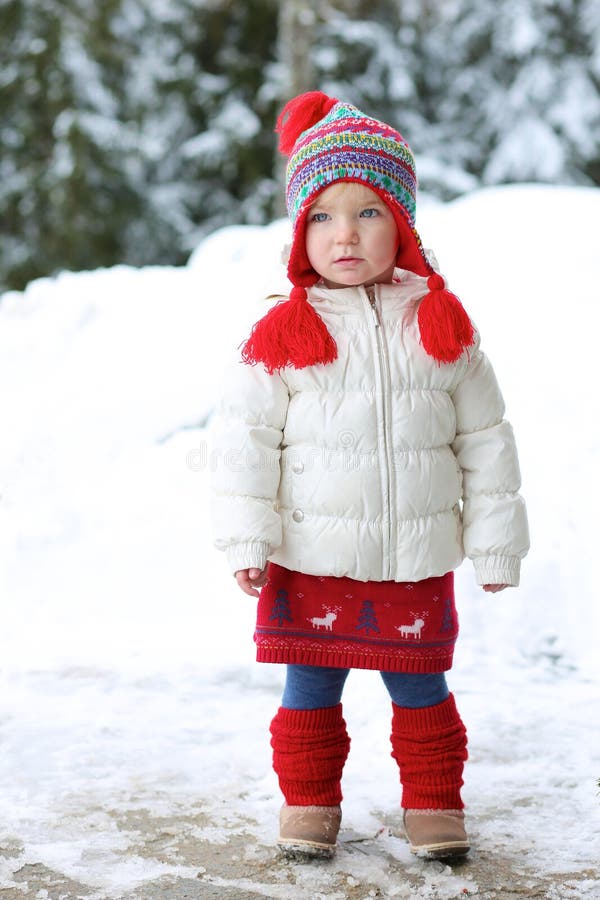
{"points": [[319, 217], [369, 213]]}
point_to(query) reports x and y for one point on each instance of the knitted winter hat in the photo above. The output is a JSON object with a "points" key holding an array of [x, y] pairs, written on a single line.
{"points": [[327, 142]]}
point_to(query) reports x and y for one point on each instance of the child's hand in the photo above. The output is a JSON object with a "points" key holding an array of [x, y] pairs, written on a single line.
{"points": [[494, 588], [250, 579]]}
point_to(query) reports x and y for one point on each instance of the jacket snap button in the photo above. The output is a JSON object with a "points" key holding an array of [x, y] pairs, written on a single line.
{"points": [[298, 468], [297, 515]]}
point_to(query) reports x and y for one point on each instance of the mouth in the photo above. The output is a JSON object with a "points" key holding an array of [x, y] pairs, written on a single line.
{"points": [[347, 260]]}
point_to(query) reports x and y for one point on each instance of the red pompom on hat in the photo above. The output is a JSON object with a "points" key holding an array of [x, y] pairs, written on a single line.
{"points": [[329, 142], [300, 114]]}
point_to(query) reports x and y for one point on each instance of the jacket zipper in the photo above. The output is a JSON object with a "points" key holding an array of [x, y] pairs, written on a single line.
{"points": [[385, 381]]}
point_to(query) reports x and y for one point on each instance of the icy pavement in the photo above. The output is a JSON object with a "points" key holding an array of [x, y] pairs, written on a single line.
{"points": [[135, 786]]}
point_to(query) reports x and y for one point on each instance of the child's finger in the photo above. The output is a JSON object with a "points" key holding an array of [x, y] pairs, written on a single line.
{"points": [[258, 576], [245, 584]]}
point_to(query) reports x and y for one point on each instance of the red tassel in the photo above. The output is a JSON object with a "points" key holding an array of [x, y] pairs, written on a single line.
{"points": [[291, 334], [446, 330], [299, 114]]}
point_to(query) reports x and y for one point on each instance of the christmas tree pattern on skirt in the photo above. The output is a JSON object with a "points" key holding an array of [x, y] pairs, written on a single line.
{"points": [[314, 620], [448, 619], [367, 619], [281, 609]]}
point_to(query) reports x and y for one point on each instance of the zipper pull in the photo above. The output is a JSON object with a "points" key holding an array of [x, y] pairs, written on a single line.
{"points": [[373, 303]]}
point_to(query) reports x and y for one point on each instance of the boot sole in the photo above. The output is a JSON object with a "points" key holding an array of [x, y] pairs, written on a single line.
{"points": [[445, 850], [300, 850]]}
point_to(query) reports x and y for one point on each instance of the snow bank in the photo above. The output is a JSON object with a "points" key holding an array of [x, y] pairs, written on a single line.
{"points": [[125, 646]]}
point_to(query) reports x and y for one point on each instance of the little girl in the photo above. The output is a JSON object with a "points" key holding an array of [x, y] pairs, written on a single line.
{"points": [[364, 453]]}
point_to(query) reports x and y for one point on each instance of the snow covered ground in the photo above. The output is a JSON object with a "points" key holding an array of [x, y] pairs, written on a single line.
{"points": [[133, 719]]}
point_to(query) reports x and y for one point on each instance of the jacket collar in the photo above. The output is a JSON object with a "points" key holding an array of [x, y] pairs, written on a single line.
{"points": [[406, 288]]}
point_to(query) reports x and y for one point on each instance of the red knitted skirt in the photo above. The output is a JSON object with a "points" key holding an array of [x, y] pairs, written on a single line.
{"points": [[385, 625]]}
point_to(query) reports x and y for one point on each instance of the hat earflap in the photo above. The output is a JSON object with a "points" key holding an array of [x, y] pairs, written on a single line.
{"points": [[446, 330], [291, 334]]}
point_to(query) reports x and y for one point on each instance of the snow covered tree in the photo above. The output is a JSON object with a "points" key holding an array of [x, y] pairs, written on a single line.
{"points": [[132, 128], [485, 93], [65, 194], [212, 100], [519, 95]]}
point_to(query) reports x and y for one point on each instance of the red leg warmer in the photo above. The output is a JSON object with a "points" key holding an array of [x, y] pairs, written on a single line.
{"points": [[430, 747], [310, 747]]}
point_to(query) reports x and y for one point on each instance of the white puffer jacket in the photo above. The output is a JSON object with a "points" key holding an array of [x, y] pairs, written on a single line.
{"points": [[383, 465]]}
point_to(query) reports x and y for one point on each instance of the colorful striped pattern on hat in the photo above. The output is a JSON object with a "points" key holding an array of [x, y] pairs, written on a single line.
{"points": [[328, 142], [348, 145]]}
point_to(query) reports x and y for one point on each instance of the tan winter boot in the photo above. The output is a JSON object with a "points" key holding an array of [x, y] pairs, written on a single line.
{"points": [[436, 833], [309, 832]]}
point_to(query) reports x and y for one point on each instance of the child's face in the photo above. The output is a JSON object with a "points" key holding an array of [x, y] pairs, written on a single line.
{"points": [[351, 236]]}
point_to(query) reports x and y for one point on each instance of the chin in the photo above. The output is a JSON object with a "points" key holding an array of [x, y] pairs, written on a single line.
{"points": [[341, 284]]}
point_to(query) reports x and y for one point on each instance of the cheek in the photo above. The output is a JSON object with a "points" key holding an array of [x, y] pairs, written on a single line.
{"points": [[389, 243], [312, 245]]}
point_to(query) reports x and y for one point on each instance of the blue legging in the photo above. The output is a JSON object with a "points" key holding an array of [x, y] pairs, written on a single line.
{"points": [[316, 687]]}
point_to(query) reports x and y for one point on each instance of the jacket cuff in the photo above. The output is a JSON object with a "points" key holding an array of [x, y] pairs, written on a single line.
{"points": [[252, 555], [498, 570]]}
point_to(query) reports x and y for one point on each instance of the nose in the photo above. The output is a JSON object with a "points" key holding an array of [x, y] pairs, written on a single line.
{"points": [[345, 232]]}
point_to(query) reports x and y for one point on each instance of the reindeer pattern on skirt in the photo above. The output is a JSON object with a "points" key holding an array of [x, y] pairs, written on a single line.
{"points": [[305, 618]]}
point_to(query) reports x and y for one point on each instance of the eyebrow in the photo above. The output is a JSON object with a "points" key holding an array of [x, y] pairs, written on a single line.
{"points": [[323, 206]]}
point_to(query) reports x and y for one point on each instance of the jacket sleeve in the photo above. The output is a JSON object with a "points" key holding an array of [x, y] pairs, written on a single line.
{"points": [[495, 531], [246, 434]]}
